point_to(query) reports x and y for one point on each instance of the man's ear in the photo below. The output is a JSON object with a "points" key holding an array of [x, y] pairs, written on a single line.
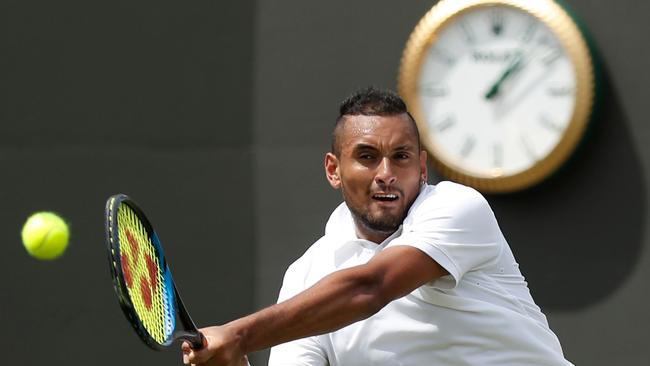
{"points": [[332, 170]]}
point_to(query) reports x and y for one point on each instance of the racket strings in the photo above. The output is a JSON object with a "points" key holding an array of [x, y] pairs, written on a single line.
{"points": [[143, 275]]}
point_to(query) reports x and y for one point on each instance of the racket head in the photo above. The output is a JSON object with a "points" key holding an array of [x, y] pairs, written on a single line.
{"points": [[141, 277]]}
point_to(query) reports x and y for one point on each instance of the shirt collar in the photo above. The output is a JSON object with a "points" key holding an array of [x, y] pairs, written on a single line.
{"points": [[341, 230]]}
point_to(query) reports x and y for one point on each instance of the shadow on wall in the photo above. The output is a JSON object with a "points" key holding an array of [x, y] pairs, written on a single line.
{"points": [[578, 236]]}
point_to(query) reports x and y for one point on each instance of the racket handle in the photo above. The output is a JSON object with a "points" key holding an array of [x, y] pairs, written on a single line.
{"points": [[195, 339], [190, 333]]}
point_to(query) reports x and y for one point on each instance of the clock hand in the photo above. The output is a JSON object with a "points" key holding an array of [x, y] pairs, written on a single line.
{"points": [[526, 90], [514, 66]]}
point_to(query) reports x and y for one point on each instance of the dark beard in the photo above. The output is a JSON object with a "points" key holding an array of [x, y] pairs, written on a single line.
{"points": [[384, 225]]}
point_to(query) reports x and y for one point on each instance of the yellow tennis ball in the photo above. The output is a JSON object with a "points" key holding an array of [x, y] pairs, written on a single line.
{"points": [[45, 235]]}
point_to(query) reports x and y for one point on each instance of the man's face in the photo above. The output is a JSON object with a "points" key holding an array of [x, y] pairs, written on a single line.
{"points": [[379, 170]]}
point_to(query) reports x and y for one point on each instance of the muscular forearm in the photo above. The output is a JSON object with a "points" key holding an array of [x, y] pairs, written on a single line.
{"points": [[337, 300]]}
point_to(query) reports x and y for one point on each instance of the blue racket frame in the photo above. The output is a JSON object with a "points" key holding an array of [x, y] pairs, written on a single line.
{"points": [[172, 300]]}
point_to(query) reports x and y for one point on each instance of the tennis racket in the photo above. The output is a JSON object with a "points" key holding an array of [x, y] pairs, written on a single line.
{"points": [[142, 279]]}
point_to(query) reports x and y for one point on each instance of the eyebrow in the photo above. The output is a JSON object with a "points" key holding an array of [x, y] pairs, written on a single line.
{"points": [[363, 146], [406, 147]]}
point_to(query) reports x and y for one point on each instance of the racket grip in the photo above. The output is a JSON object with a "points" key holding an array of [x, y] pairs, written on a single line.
{"points": [[195, 339]]}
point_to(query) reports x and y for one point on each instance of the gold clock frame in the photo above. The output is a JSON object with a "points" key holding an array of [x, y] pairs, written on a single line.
{"points": [[575, 45]]}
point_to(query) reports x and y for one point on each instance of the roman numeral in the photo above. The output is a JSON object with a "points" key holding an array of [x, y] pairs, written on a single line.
{"points": [[468, 146], [445, 124], [561, 91], [529, 32], [443, 56], [550, 125], [496, 22], [497, 155], [528, 147], [550, 57], [434, 90], [470, 37]]}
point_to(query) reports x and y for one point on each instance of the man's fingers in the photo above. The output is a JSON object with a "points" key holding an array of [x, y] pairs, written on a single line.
{"points": [[185, 347], [219, 348], [197, 356]]}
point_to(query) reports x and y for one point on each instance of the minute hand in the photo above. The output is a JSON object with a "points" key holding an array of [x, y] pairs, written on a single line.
{"points": [[514, 66]]}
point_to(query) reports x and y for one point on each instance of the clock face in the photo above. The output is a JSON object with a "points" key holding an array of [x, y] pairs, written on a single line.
{"points": [[497, 91]]}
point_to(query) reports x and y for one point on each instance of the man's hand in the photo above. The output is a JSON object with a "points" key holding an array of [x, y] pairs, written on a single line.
{"points": [[221, 348]]}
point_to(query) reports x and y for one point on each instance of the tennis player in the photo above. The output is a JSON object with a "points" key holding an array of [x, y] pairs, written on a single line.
{"points": [[407, 273]]}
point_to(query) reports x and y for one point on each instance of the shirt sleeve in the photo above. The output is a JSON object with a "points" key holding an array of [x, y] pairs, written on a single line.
{"points": [[300, 352], [456, 227]]}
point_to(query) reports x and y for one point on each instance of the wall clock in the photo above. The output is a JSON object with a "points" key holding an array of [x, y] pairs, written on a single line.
{"points": [[502, 90]]}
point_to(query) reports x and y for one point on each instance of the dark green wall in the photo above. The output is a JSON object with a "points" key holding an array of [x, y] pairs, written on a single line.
{"points": [[226, 109], [151, 99]]}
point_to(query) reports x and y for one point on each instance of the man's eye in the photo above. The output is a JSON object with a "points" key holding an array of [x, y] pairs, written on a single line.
{"points": [[402, 156], [365, 156]]}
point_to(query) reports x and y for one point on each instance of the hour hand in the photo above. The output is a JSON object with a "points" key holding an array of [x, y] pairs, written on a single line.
{"points": [[512, 69]]}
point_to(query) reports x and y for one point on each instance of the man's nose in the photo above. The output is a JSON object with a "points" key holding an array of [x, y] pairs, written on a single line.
{"points": [[385, 174]]}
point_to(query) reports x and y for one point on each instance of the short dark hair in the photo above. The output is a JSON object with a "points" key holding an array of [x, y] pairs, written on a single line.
{"points": [[370, 101]]}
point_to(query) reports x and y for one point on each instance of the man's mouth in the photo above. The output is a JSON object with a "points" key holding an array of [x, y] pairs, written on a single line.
{"points": [[385, 197]]}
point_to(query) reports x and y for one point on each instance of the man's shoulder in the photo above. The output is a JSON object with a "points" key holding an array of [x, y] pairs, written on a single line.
{"points": [[317, 252], [318, 258], [451, 206], [448, 188], [449, 195], [301, 273]]}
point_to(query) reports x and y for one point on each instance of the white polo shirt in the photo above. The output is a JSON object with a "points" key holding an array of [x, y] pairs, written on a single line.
{"points": [[480, 314]]}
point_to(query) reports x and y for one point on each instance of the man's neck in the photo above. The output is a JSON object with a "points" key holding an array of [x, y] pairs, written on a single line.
{"points": [[374, 236]]}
